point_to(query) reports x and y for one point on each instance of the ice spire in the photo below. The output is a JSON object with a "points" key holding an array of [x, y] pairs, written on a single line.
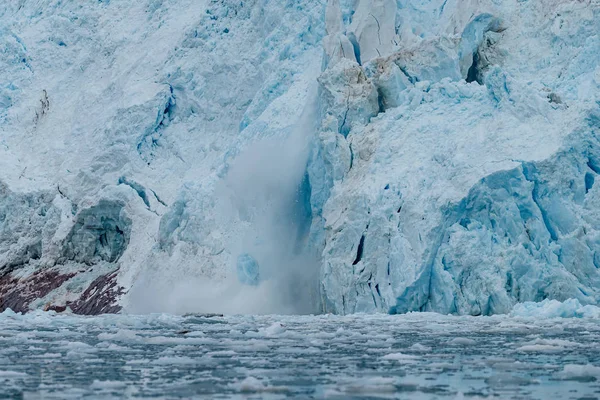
{"points": [[336, 44], [333, 17], [374, 26]]}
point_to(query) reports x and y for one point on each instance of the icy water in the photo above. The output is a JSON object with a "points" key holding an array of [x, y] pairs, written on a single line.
{"points": [[415, 356]]}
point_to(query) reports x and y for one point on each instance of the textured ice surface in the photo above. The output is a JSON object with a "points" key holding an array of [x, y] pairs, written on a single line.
{"points": [[472, 188], [417, 356], [371, 156]]}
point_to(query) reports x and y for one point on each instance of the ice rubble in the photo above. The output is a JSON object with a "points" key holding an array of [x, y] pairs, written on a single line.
{"points": [[338, 156], [570, 308]]}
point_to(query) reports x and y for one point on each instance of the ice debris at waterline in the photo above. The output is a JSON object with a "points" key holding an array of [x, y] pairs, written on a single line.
{"points": [[371, 155], [555, 309], [416, 356]]}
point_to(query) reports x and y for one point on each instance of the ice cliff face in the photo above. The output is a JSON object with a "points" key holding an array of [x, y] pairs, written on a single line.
{"points": [[260, 156], [471, 186]]}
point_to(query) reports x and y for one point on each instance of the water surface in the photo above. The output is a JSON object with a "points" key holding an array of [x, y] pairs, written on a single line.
{"points": [[416, 356]]}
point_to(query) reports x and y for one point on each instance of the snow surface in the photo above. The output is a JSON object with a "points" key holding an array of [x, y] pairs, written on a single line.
{"points": [[383, 156]]}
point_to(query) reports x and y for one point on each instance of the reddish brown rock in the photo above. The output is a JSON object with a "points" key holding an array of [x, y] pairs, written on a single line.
{"points": [[100, 297], [17, 294]]}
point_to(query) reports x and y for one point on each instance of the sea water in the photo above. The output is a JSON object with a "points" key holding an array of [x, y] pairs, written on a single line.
{"points": [[413, 356]]}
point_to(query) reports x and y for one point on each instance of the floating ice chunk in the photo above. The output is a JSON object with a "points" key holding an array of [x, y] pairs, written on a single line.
{"points": [[247, 270], [107, 385], [80, 347], [370, 386], [221, 353], [462, 341], [540, 348], [420, 348], [111, 347], [274, 329], [174, 360], [13, 375], [400, 357], [250, 384], [579, 372], [94, 361], [547, 346], [48, 355], [139, 361], [122, 335]]}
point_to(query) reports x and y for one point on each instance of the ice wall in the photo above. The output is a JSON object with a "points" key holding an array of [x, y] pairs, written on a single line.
{"points": [[470, 185], [260, 156]]}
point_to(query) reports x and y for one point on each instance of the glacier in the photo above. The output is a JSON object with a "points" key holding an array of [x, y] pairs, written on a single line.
{"points": [[299, 156]]}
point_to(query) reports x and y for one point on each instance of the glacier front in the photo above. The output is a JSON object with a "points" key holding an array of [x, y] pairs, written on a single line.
{"points": [[299, 156]]}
